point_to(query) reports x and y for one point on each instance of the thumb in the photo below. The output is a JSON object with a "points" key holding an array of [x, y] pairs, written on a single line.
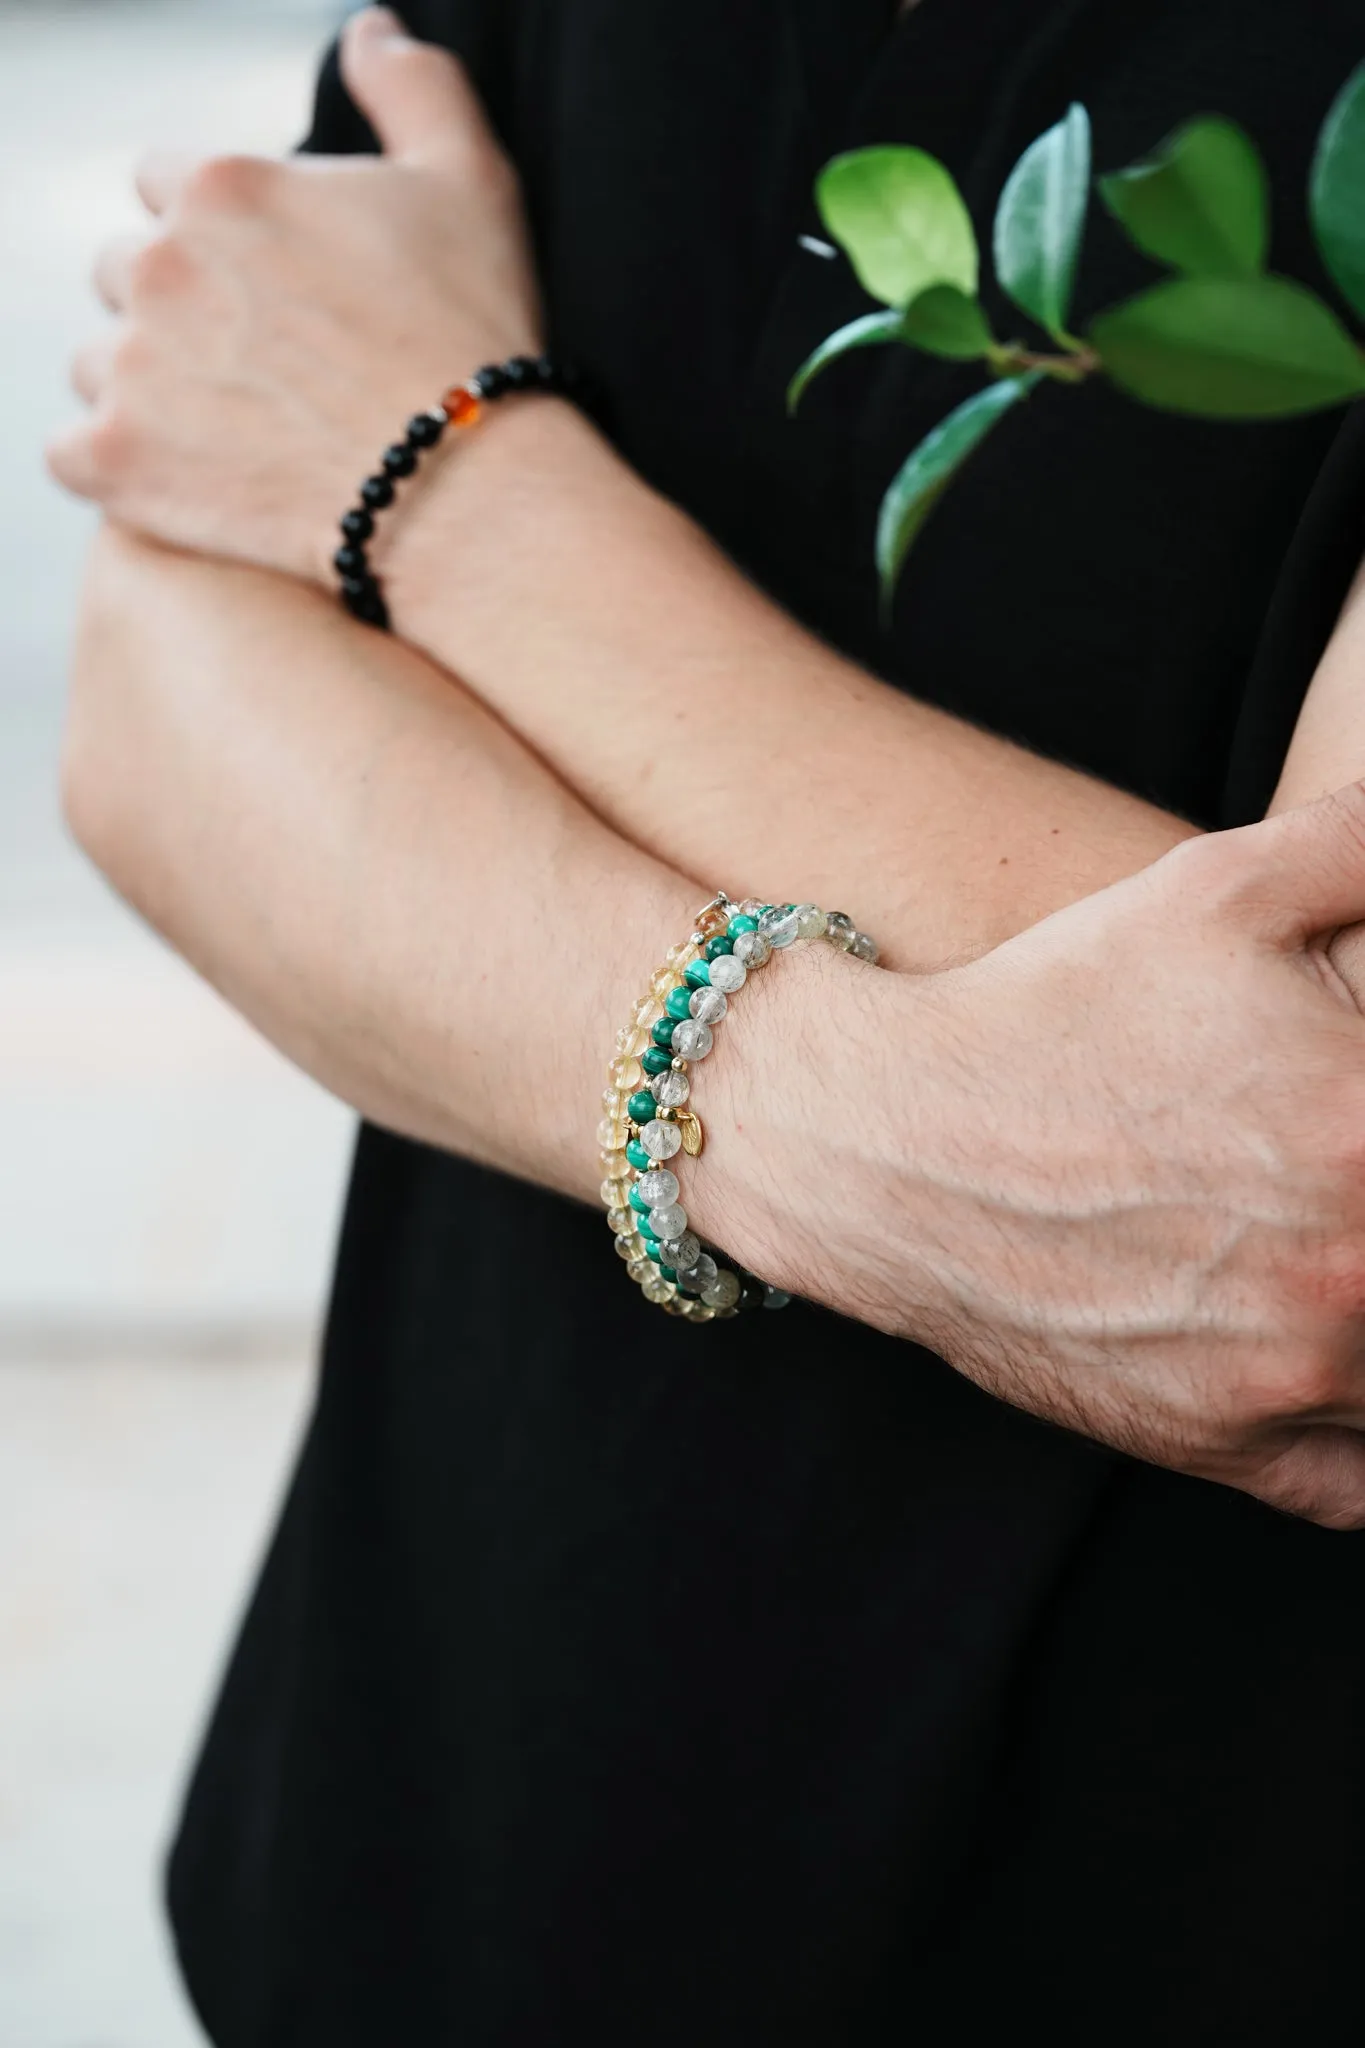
{"points": [[1313, 863], [417, 98]]}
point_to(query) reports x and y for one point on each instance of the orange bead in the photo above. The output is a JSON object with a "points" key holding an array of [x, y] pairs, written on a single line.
{"points": [[461, 406]]}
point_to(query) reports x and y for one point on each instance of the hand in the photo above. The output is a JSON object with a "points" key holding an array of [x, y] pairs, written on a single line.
{"points": [[1114, 1171], [279, 331]]}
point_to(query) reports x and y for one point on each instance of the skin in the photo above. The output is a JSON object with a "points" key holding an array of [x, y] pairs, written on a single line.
{"points": [[1113, 1169]]}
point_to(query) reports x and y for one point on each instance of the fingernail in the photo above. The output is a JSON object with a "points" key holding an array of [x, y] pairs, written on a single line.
{"points": [[383, 21]]}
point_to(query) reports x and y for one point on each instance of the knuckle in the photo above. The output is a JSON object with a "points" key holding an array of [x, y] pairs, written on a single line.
{"points": [[159, 267], [233, 184], [1219, 876]]}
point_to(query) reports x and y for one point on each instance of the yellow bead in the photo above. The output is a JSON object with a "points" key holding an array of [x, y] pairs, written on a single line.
{"points": [[632, 1247], [615, 1165], [626, 1071], [646, 1010], [614, 1102], [640, 1269], [632, 1039], [620, 1222], [663, 982], [654, 1287], [613, 1133], [610, 1192]]}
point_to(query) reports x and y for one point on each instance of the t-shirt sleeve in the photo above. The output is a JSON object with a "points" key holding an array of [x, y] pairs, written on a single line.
{"points": [[1326, 550]]}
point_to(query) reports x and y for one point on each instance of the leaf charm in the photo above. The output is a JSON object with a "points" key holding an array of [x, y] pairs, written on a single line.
{"points": [[693, 1137]]}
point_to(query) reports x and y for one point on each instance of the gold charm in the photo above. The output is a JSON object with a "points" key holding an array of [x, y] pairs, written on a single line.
{"points": [[693, 1137]]}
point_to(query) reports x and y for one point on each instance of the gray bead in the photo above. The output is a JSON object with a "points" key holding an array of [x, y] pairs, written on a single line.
{"points": [[682, 1252], [779, 928], [691, 1041], [723, 1291], [751, 948], [727, 974], [863, 948], [700, 1275], [810, 921], [671, 1088], [708, 1005], [840, 929], [668, 1221]]}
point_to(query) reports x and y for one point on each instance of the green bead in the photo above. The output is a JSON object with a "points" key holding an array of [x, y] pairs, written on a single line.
{"points": [[638, 1202], [650, 1236], [642, 1107], [654, 1250], [637, 1155], [678, 1002], [741, 924], [655, 1060], [667, 1271], [715, 947], [697, 975], [662, 1031]]}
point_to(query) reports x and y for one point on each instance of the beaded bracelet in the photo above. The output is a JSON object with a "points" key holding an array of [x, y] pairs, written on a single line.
{"points": [[460, 407], [649, 1119]]}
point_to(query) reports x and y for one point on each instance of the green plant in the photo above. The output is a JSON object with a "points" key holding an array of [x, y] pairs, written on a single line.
{"points": [[1221, 338]]}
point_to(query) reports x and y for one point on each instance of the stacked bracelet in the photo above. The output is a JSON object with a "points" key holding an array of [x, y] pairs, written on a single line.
{"points": [[648, 1115], [460, 407]]}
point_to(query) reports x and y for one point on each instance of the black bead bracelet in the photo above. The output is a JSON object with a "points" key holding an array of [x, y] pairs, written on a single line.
{"points": [[460, 407]]}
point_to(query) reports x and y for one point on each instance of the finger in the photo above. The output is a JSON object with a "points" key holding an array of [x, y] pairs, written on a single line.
{"points": [[161, 176], [71, 462], [1311, 865], [417, 98], [91, 368], [112, 274]]}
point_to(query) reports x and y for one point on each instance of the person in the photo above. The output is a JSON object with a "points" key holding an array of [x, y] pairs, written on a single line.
{"points": [[972, 1642]]}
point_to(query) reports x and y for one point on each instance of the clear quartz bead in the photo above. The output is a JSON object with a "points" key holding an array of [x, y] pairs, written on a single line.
{"points": [[863, 948], [728, 974], [682, 1252], [708, 1005], [691, 1040], [657, 1186], [622, 1221], [751, 907], [654, 1287], [699, 1276], [613, 1134], [659, 1139], [671, 1088], [779, 927], [810, 921], [626, 1071], [776, 1297], [723, 1291], [615, 1165], [840, 929], [668, 1221], [752, 949]]}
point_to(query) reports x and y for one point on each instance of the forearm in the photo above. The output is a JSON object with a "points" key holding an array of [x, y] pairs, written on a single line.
{"points": [[707, 725], [359, 857]]}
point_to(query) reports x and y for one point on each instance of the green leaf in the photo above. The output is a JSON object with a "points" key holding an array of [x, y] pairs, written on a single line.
{"points": [[863, 332], [1336, 191], [925, 474], [1040, 219], [1199, 202], [1230, 348], [945, 322], [899, 218]]}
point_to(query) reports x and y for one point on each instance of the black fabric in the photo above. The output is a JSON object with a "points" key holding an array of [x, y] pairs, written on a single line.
{"points": [[610, 1682]]}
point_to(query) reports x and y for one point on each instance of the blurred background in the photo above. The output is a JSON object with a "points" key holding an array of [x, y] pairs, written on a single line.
{"points": [[168, 1187]]}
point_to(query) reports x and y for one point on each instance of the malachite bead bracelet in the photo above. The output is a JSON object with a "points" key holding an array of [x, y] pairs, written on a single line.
{"points": [[648, 1118]]}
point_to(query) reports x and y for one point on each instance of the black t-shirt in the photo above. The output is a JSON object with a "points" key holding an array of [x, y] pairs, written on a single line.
{"points": [[615, 1682]]}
